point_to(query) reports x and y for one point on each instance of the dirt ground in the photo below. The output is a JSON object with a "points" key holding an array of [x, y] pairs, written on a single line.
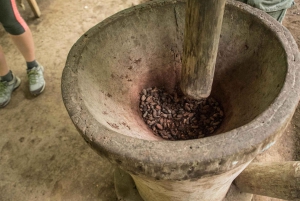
{"points": [[42, 157]]}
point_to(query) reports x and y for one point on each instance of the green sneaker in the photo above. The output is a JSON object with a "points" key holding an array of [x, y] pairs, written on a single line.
{"points": [[6, 88], [36, 80]]}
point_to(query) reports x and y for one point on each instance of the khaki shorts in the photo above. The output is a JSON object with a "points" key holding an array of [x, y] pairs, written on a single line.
{"points": [[278, 15], [276, 8]]}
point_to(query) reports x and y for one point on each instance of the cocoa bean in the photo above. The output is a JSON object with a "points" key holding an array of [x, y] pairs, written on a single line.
{"points": [[159, 126], [149, 99], [143, 97], [161, 121], [145, 114], [216, 123], [144, 91], [174, 117]]}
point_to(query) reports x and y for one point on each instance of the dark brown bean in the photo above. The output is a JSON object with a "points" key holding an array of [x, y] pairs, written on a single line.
{"points": [[159, 126], [174, 117]]}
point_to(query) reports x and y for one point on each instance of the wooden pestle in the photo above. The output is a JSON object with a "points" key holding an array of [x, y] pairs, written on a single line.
{"points": [[273, 179], [203, 23]]}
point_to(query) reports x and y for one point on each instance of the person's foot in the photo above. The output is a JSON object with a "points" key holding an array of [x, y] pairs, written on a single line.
{"points": [[6, 88], [36, 80]]}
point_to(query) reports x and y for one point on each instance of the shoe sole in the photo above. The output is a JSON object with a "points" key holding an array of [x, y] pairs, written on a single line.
{"points": [[15, 87], [40, 91]]}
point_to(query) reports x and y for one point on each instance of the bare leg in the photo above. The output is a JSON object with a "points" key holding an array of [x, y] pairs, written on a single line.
{"points": [[3, 66], [25, 44], [8, 82]]}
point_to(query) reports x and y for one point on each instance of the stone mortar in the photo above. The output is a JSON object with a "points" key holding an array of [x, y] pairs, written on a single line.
{"points": [[256, 80]]}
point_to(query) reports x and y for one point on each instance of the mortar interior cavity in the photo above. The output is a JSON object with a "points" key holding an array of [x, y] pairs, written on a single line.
{"points": [[144, 50]]}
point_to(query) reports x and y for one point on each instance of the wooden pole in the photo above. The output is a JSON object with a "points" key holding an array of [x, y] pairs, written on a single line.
{"points": [[275, 179], [203, 23], [34, 7]]}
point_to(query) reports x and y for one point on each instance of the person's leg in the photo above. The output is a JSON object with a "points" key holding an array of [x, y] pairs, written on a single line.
{"points": [[24, 43], [3, 65], [21, 35], [19, 31], [8, 81]]}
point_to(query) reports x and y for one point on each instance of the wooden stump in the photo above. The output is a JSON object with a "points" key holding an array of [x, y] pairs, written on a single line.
{"points": [[203, 24]]}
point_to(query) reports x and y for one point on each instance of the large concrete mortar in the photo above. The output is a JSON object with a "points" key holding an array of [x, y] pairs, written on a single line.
{"points": [[256, 81]]}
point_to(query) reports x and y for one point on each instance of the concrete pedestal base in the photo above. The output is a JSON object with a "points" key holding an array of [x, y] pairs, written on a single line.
{"points": [[125, 187], [127, 191]]}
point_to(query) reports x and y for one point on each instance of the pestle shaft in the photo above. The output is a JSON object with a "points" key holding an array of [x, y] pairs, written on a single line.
{"points": [[203, 22]]}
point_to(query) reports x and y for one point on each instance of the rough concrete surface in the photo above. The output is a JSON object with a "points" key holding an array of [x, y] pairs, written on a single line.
{"points": [[42, 156]]}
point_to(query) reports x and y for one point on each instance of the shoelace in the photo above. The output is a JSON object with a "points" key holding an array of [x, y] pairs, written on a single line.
{"points": [[33, 76], [3, 87]]}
